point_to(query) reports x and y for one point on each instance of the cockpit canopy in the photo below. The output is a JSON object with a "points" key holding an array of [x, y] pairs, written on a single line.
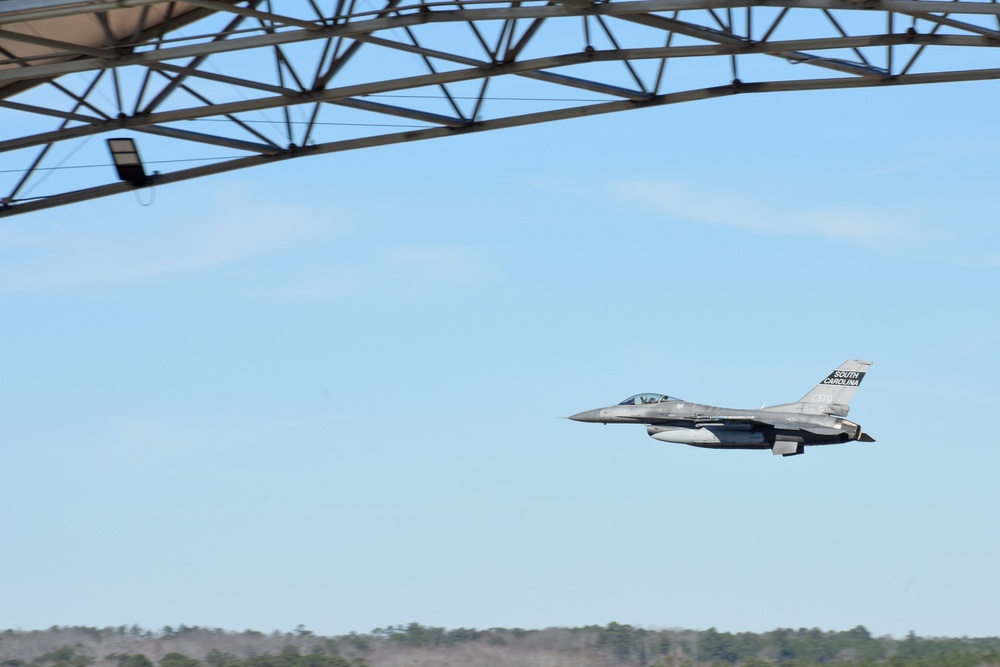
{"points": [[646, 399]]}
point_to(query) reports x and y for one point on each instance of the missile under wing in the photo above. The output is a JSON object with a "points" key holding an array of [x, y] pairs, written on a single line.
{"points": [[818, 418]]}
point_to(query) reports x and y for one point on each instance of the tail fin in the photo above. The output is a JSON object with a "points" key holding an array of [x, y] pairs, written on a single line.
{"points": [[833, 395]]}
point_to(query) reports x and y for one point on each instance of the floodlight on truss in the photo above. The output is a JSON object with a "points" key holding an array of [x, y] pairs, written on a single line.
{"points": [[229, 84], [128, 164]]}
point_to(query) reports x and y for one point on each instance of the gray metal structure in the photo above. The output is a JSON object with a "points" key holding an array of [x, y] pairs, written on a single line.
{"points": [[209, 86], [815, 419]]}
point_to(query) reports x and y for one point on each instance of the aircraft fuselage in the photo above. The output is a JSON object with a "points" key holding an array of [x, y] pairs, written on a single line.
{"points": [[818, 418], [717, 428]]}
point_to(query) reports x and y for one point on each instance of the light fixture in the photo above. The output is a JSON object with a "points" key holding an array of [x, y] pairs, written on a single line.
{"points": [[126, 158]]}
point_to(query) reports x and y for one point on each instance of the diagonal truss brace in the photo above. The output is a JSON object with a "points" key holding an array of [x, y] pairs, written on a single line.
{"points": [[195, 65]]}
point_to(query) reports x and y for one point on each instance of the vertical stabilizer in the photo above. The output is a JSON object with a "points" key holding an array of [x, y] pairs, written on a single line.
{"points": [[833, 395]]}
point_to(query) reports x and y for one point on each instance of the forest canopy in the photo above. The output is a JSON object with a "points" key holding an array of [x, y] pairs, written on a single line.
{"points": [[590, 646]]}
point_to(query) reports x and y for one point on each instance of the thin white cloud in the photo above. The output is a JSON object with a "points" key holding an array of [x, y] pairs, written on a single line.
{"points": [[971, 258], [216, 228], [228, 228], [898, 167], [406, 273], [753, 214], [933, 391]]}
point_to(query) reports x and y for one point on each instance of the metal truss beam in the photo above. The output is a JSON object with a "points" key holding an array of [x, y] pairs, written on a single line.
{"points": [[344, 79]]}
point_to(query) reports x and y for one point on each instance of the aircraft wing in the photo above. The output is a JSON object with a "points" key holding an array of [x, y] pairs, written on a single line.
{"points": [[740, 423], [729, 421], [737, 422], [759, 421]]}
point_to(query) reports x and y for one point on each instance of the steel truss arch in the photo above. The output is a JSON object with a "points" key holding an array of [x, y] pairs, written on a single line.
{"points": [[233, 84]]}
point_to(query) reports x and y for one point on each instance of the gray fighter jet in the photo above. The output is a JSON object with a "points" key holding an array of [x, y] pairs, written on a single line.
{"points": [[815, 419]]}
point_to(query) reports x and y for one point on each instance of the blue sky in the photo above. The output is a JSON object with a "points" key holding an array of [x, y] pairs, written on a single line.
{"points": [[329, 391]]}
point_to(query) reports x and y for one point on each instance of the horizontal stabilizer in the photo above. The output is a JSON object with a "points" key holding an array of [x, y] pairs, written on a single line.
{"points": [[864, 437]]}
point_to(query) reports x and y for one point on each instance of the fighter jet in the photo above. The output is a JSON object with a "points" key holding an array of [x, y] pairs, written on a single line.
{"points": [[815, 419]]}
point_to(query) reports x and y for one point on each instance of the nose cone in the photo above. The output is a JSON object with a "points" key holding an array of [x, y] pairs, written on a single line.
{"points": [[588, 416]]}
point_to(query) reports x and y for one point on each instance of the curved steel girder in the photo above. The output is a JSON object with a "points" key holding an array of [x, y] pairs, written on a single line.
{"points": [[158, 82], [480, 70], [424, 14], [501, 123]]}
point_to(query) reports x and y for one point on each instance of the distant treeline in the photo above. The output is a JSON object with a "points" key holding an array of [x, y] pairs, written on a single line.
{"points": [[590, 646]]}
